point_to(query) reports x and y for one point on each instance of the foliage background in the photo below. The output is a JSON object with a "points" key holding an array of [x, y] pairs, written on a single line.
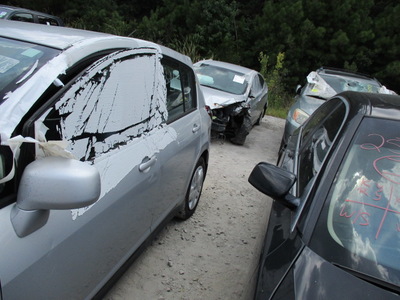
{"points": [[285, 38]]}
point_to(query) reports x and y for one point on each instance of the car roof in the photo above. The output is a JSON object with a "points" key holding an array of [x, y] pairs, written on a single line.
{"points": [[50, 36], [63, 38], [345, 73], [20, 9], [226, 65], [373, 104]]}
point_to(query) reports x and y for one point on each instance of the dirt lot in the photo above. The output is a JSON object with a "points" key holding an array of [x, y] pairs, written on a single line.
{"points": [[214, 254]]}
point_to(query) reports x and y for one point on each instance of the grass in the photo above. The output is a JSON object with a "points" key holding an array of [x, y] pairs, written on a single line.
{"points": [[278, 112]]}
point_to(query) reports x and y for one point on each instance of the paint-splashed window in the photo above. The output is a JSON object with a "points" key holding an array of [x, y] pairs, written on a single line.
{"points": [[119, 98], [180, 85]]}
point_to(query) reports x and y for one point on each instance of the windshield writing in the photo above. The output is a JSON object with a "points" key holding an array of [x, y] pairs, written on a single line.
{"points": [[363, 215]]}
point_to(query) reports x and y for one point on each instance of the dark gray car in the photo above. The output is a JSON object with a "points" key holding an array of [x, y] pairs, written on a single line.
{"points": [[27, 15], [98, 150], [333, 231]]}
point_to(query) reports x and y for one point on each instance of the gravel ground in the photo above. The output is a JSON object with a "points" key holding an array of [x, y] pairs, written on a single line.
{"points": [[214, 254]]}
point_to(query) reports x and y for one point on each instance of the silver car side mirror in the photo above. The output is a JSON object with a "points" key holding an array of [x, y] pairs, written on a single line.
{"points": [[53, 183]]}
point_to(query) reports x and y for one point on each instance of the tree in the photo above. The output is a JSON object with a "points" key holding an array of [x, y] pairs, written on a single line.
{"points": [[386, 46], [359, 35]]}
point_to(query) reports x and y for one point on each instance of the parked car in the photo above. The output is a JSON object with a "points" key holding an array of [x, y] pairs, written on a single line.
{"points": [[237, 97], [98, 151], [333, 231], [27, 15], [320, 86]]}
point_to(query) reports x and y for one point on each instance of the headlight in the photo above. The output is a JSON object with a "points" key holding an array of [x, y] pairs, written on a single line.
{"points": [[300, 116]]}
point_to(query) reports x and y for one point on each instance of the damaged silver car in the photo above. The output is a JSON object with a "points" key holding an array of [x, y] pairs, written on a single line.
{"points": [[237, 97], [103, 140]]}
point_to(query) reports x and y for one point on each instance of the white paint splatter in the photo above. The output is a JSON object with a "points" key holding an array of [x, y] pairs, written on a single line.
{"points": [[115, 115]]}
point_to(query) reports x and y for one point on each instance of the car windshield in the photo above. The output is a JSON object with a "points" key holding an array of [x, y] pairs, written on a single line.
{"points": [[18, 61], [221, 79], [359, 228]]}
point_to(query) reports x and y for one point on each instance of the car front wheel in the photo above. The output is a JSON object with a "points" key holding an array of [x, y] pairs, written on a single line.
{"points": [[194, 191]]}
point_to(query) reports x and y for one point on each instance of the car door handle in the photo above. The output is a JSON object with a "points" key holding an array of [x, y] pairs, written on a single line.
{"points": [[195, 128], [147, 163]]}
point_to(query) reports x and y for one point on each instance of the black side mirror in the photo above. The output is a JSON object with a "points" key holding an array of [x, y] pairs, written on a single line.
{"points": [[274, 182]]}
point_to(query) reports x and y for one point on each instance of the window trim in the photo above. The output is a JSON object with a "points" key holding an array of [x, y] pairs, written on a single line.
{"points": [[182, 67], [303, 214]]}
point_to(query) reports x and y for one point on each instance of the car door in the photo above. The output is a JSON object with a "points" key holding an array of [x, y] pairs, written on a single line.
{"points": [[111, 116], [179, 157], [257, 97]]}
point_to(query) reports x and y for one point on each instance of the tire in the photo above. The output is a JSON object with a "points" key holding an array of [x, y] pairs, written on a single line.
{"points": [[258, 122], [243, 131], [194, 191], [262, 114]]}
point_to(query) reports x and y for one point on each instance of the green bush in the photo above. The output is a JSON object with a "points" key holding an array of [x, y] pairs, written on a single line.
{"points": [[278, 99]]}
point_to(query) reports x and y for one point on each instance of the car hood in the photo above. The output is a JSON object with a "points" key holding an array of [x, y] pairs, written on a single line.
{"points": [[309, 104], [316, 278], [218, 99]]}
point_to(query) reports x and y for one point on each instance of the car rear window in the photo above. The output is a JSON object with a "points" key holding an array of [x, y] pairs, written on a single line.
{"points": [[18, 61], [360, 225]]}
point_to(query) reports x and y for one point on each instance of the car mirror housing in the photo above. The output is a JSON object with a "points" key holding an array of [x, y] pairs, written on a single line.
{"points": [[274, 182], [53, 183], [58, 183]]}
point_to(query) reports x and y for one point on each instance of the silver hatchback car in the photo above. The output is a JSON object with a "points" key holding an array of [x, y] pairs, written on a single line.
{"points": [[103, 139]]}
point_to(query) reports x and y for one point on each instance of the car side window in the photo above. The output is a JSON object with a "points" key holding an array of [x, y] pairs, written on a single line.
{"points": [[261, 80], [181, 89], [256, 85], [114, 101], [24, 17], [47, 21], [317, 138]]}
